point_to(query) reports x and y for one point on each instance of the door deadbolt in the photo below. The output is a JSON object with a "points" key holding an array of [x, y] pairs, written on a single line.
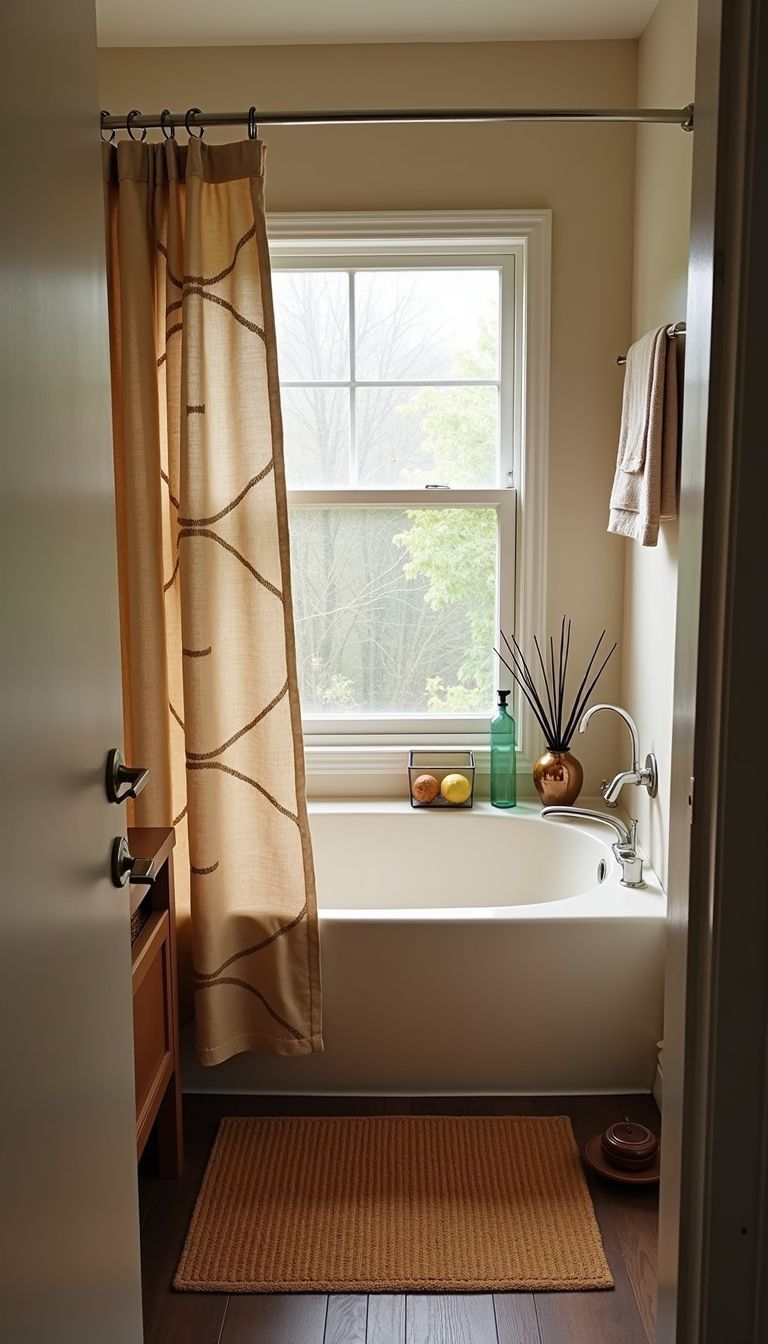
{"points": [[126, 868], [123, 781]]}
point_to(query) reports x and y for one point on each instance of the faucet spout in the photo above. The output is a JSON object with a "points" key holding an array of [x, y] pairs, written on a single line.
{"points": [[630, 722], [624, 850], [624, 833], [612, 789], [647, 774]]}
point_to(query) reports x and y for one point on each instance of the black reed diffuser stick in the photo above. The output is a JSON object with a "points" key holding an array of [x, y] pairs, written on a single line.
{"points": [[549, 707]]}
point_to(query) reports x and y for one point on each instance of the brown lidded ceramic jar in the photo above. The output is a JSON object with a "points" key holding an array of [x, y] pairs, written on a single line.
{"points": [[629, 1146]]}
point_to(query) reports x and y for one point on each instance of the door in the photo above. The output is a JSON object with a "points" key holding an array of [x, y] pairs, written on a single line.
{"points": [[69, 1268], [713, 1234]]}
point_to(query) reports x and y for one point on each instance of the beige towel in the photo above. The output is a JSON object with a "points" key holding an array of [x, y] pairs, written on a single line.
{"points": [[645, 485]]}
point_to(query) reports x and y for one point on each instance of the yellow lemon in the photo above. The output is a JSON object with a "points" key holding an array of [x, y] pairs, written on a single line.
{"points": [[455, 788]]}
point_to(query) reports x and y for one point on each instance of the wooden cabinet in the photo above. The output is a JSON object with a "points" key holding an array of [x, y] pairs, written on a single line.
{"points": [[155, 1002]]}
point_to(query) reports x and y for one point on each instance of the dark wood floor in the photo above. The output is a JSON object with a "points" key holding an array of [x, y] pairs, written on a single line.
{"points": [[627, 1221]]}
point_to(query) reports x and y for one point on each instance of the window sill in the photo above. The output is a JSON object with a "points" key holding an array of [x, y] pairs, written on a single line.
{"points": [[381, 771]]}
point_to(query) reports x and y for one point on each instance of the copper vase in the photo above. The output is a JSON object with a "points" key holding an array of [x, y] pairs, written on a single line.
{"points": [[558, 777]]}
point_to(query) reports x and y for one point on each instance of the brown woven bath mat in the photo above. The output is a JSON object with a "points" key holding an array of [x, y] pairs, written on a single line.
{"points": [[393, 1204]]}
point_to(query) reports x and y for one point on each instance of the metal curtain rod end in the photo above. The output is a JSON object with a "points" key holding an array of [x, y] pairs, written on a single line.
{"points": [[677, 329]]}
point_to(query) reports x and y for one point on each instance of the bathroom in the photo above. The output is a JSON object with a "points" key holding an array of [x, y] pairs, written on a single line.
{"points": [[380, 1007]]}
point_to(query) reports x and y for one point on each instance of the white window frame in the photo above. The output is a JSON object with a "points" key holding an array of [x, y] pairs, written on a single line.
{"points": [[519, 244]]}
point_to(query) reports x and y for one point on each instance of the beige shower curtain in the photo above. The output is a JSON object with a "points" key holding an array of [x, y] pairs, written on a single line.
{"points": [[209, 674]]}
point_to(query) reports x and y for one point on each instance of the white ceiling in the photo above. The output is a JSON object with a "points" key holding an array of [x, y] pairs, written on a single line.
{"points": [[195, 23]]}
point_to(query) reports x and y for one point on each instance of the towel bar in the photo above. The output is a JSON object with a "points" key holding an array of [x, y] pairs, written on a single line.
{"points": [[678, 329]]}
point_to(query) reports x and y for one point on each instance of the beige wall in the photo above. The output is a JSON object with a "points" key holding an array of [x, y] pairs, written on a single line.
{"points": [[584, 174], [662, 208]]}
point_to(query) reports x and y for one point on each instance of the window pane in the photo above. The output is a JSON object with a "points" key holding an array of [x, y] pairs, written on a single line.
{"points": [[316, 435], [394, 609], [427, 435], [312, 320], [423, 325]]}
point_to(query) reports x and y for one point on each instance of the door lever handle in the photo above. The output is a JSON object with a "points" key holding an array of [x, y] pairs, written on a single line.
{"points": [[123, 781], [126, 868]]}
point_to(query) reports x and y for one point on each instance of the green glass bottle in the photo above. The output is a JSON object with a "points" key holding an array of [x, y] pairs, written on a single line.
{"points": [[503, 770]]}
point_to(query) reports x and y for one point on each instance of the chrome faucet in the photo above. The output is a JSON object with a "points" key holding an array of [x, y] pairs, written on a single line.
{"points": [[625, 848], [647, 775]]}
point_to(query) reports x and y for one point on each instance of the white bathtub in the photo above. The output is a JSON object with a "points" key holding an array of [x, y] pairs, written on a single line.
{"points": [[473, 952]]}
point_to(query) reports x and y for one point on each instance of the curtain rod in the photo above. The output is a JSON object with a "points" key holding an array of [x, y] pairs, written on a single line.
{"points": [[194, 117]]}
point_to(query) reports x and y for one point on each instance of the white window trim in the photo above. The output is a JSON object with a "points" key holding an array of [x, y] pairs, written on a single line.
{"points": [[527, 233]]}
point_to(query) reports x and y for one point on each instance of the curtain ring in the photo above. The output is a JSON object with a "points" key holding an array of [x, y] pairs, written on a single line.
{"points": [[193, 112], [253, 130], [110, 140], [170, 133], [134, 112]]}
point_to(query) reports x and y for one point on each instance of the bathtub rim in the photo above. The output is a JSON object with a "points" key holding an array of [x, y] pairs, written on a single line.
{"points": [[607, 901]]}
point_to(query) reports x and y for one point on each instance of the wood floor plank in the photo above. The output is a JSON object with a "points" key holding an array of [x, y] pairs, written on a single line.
{"points": [[588, 1115], [347, 1318], [635, 1214], [516, 1319], [608, 1317], [386, 1318], [450, 1318], [589, 1318], [147, 1191], [169, 1317], [275, 1318], [474, 1106], [636, 1225], [184, 1320]]}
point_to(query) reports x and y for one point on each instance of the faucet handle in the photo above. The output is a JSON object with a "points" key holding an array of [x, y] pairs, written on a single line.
{"points": [[628, 857], [631, 866]]}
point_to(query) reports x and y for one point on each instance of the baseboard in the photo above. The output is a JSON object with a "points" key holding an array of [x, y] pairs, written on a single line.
{"points": [[196, 1090]]}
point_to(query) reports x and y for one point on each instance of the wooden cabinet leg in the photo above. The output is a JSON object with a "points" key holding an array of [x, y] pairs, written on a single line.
{"points": [[170, 1142]]}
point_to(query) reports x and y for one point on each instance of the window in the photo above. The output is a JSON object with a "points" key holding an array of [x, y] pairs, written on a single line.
{"points": [[402, 380]]}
